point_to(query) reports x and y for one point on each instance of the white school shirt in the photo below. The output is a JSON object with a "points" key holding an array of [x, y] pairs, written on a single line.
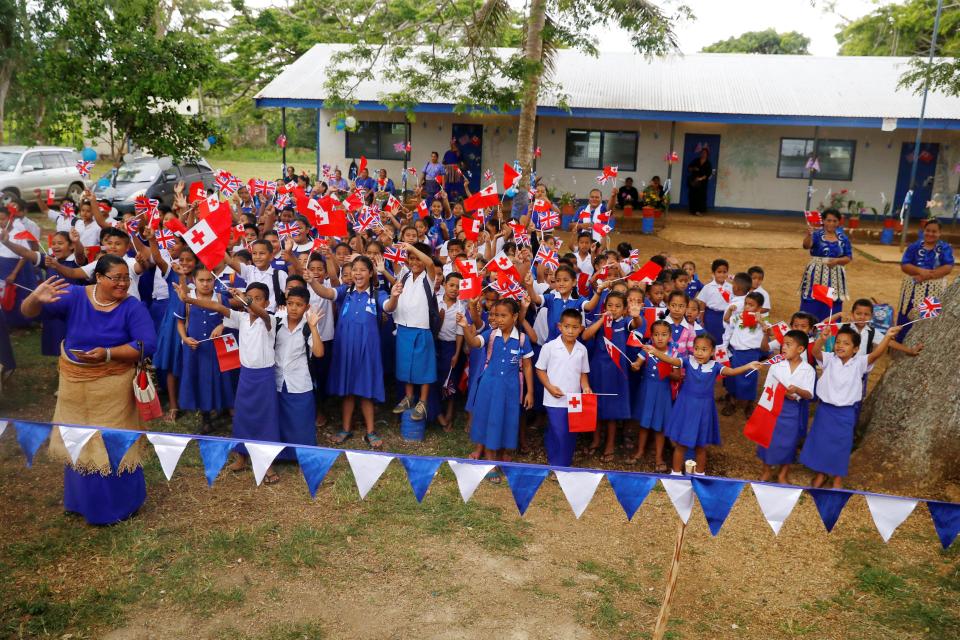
{"points": [[15, 227], [449, 330], [585, 265], [766, 297], [256, 339], [89, 233], [742, 338], [292, 364], [412, 310], [842, 384], [63, 222], [710, 295], [134, 290], [563, 369], [804, 377], [327, 325], [160, 289], [252, 274]]}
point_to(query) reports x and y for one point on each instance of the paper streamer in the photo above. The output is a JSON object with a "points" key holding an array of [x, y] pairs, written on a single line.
{"points": [[524, 483], [117, 442], [261, 457], [776, 503], [74, 439], [367, 469], [213, 454], [578, 487], [469, 476], [681, 495], [31, 435], [169, 449], [889, 512]]}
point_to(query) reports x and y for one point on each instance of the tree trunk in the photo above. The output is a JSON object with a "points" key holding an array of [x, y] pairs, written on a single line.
{"points": [[6, 77], [912, 417], [533, 53]]}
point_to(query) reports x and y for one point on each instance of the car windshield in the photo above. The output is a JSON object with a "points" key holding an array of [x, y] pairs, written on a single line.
{"points": [[138, 172], [9, 159]]}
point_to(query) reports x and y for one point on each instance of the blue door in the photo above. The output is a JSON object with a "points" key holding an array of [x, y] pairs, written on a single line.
{"points": [[469, 139], [926, 169], [692, 144]]}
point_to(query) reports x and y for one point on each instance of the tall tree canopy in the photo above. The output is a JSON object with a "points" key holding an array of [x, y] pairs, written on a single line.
{"points": [[767, 42]]}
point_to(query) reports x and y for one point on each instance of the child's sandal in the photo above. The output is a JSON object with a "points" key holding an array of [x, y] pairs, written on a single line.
{"points": [[341, 437], [375, 441], [607, 457]]}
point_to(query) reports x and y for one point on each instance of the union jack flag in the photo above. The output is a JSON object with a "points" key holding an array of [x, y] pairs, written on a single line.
{"points": [[131, 226], [257, 185], [227, 183], [283, 201], [929, 307], [366, 220], [549, 219], [548, 257], [166, 239], [775, 359], [269, 187], [395, 255], [68, 209], [84, 167], [401, 147], [634, 257], [287, 230], [510, 289], [487, 175], [412, 171], [142, 205]]}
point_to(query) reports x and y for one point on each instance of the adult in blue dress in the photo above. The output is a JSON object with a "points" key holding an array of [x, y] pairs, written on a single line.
{"points": [[428, 177], [925, 264], [107, 330], [830, 251]]}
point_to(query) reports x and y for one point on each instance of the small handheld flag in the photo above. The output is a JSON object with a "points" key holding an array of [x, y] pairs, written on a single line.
{"points": [[760, 426], [84, 167], [228, 352], [814, 219], [395, 255], [929, 307], [581, 412], [823, 293]]}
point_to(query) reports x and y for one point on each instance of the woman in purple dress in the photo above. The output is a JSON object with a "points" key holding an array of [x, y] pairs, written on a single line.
{"points": [[107, 330]]}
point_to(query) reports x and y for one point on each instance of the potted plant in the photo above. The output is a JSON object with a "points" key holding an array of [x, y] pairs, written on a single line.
{"points": [[567, 202], [855, 208], [653, 201]]}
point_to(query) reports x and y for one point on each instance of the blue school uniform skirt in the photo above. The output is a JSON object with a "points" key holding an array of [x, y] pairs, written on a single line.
{"points": [[742, 387], [713, 323], [102, 499], [606, 378], [256, 413], [786, 435], [202, 386], [496, 410], [830, 441], [158, 309], [654, 404], [169, 356], [297, 417], [558, 441], [694, 421], [416, 356]]}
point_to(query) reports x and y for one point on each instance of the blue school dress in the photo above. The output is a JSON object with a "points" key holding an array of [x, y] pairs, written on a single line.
{"points": [[169, 355], [694, 421], [694, 287], [496, 407], [475, 362], [830, 440], [790, 427], [555, 306], [606, 377], [653, 405], [912, 292], [54, 327], [202, 386], [742, 387], [356, 368]]}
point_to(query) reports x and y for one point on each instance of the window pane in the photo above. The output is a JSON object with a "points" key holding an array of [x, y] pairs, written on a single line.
{"points": [[391, 133], [583, 149], [363, 141], [794, 153], [836, 159], [52, 161], [620, 149], [33, 160]]}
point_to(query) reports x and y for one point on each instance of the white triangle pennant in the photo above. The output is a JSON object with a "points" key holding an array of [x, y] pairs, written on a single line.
{"points": [[680, 491], [74, 439], [261, 457], [169, 449], [578, 487], [776, 503], [3, 426], [469, 476], [367, 469], [889, 513]]}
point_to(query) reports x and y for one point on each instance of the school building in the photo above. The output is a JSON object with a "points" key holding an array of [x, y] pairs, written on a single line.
{"points": [[763, 118]]}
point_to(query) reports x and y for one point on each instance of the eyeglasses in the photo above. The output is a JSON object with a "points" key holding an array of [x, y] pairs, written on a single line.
{"points": [[118, 279]]}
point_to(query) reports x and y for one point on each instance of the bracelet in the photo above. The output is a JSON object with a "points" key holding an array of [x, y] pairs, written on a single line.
{"points": [[108, 357]]}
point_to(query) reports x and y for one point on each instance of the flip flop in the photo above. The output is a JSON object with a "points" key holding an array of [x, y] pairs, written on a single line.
{"points": [[340, 437], [375, 441]]}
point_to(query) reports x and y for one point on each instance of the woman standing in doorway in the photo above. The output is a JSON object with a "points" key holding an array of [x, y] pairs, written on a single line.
{"points": [[699, 173]]}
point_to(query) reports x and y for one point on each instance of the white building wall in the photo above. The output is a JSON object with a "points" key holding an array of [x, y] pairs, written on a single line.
{"points": [[746, 172]]}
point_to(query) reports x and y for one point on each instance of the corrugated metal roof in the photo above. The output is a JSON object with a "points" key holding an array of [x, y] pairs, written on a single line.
{"points": [[711, 83]]}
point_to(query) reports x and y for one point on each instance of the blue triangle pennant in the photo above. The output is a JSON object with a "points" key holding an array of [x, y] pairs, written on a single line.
{"points": [[830, 502], [214, 454], [524, 483], [631, 490], [420, 472], [315, 463], [31, 435], [717, 498], [117, 442], [946, 520]]}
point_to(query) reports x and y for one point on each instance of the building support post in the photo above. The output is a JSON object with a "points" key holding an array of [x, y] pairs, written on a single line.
{"points": [[283, 132]]}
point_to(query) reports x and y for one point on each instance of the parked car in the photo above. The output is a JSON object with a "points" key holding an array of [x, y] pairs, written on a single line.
{"points": [[26, 170], [153, 177]]}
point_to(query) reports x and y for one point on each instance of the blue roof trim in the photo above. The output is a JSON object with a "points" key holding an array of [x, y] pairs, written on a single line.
{"points": [[637, 114]]}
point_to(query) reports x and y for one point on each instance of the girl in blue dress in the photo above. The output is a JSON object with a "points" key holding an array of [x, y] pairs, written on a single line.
{"points": [[505, 382], [203, 387], [694, 422], [925, 264], [356, 370], [830, 250], [481, 320], [562, 297], [652, 406], [608, 367]]}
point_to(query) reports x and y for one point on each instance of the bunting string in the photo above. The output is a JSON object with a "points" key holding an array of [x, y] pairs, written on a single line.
{"points": [[716, 495]]}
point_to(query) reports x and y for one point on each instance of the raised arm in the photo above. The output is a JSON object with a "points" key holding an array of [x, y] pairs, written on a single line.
{"points": [[469, 332], [25, 253], [424, 258], [593, 329], [881, 348], [211, 305], [662, 355]]}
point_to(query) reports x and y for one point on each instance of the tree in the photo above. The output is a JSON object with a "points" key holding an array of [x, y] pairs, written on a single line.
{"points": [[912, 417], [766, 42], [902, 29]]}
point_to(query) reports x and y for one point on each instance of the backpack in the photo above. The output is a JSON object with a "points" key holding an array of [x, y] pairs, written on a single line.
{"points": [[433, 309], [305, 330], [278, 294]]}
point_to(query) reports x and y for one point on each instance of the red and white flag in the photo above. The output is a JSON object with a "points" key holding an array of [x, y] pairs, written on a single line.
{"points": [[466, 268], [721, 356], [483, 199], [422, 209], [470, 287], [196, 193], [759, 427], [392, 205], [502, 263], [331, 223], [581, 412], [780, 331], [814, 219], [823, 293], [613, 351], [228, 352], [208, 238], [583, 284], [51, 193], [601, 230], [25, 235], [213, 205], [511, 177], [646, 274], [471, 228], [724, 294]]}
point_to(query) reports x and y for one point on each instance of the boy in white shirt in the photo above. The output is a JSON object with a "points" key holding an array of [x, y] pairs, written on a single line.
{"points": [[756, 284], [261, 271], [716, 296], [563, 368], [115, 242], [416, 353], [449, 346]]}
